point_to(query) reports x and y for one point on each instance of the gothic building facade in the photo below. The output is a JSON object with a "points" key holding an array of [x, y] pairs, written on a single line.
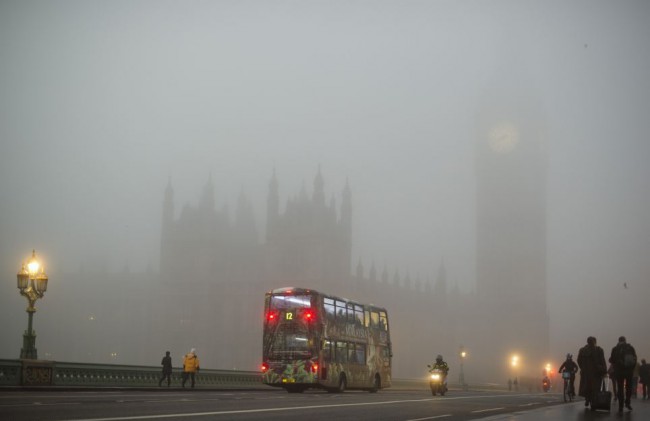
{"points": [[216, 270]]}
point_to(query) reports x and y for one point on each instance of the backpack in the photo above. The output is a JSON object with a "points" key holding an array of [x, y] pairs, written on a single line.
{"points": [[628, 357]]}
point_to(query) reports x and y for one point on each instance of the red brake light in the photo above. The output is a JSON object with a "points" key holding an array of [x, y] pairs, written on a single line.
{"points": [[309, 315], [265, 367], [314, 368], [271, 316]]}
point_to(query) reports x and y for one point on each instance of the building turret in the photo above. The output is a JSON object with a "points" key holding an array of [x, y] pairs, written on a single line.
{"points": [[319, 190], [372, 276], [167, 228], [206, 203], [359, 270], [346, 227], [272, 209]]}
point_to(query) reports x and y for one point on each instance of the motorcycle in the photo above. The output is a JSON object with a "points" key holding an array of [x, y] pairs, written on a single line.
{"points": [[546, 384], [437, 381]]}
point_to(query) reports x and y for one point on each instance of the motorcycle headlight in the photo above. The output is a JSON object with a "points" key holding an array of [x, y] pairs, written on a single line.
{"points": [[435, 377]]}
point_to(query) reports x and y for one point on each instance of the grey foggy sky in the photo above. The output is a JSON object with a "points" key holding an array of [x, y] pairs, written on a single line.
{"points": [[102, 102]]}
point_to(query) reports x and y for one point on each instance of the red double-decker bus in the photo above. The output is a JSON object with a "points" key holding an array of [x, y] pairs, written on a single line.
{"points": [[316, 340]]}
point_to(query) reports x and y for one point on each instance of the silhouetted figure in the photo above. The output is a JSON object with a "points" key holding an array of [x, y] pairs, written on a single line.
{"points": [[623, 358], [572, 368], [644, 377], [516, 384], [591, 360], [166, 369], [635, 379], [190, 366]]}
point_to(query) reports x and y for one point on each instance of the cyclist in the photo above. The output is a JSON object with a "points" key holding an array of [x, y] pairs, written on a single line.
{"points": [[571, 367]]}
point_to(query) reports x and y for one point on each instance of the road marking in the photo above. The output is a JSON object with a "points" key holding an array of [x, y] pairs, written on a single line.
{"points": [[61, 403], [530, 404], [11, 405], [431, 418], [486, 410], [289, 408]]}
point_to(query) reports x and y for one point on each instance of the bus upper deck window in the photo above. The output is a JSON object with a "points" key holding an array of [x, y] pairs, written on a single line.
{"points": [[330, 311], [350, 313], [383, 320], [374, 319], [358, 314], [290, 301], [341, 310]]}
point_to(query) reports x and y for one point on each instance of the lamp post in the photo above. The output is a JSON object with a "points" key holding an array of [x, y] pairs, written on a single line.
{"points": [[514, 362], [461, 375], [32, 283]]}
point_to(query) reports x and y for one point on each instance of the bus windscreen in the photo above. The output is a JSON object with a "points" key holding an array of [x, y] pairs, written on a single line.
{"points": [[279, 302]]}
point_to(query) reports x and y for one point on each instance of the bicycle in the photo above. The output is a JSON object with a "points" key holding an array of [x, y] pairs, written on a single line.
{"points": [[567, 395]]}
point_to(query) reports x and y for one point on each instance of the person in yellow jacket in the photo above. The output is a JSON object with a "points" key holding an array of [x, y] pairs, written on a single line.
{"points": [[190, 366]]}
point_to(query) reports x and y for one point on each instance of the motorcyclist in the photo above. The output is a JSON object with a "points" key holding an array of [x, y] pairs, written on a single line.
{"points": [[571, 367], [441, 365]]}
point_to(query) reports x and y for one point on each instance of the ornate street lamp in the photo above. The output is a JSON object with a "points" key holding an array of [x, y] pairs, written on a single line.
{"points": [[32, 283]]}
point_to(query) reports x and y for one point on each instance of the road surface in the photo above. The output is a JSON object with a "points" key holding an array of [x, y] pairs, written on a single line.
{"points": [[393, 405]]}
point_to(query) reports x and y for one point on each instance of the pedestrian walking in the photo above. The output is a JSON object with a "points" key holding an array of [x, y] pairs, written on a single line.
{"points": [[644, 377], [591, 360], [635, 379], [190, 366], [166, 369], [623, 357]]}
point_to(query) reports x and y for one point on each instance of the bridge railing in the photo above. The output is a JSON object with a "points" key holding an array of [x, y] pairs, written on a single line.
{"points": [[67, 374], [55, 373]]}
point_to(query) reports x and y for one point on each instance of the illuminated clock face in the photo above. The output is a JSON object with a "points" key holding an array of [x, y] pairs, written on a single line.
{"points": [[503, 137]]}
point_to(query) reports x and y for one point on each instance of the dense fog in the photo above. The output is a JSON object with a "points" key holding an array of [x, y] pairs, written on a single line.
{"points": [[105, 104]]}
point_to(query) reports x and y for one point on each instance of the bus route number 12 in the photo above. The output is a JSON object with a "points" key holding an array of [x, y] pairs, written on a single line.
{"points": [[288, 315]]}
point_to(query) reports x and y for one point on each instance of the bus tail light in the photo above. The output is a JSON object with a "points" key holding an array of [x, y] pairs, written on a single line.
{"points": [[264, 367], [271, 316], [309, 315], [314, 368]]}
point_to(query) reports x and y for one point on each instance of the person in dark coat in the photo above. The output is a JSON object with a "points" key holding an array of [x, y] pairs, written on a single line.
{"points": [[166, 369], [623, 357], [644, 375], [591, 360]]}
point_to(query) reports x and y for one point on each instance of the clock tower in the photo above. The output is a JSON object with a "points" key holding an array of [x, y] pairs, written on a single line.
{"points": [[511, 168]]}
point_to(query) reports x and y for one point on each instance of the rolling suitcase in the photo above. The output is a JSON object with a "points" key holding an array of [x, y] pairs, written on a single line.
{"points": [[602, 398]]}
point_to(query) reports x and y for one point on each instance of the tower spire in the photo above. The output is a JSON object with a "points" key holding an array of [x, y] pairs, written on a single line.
{"points": [[272, 208], [319, 189], [167, 227]]}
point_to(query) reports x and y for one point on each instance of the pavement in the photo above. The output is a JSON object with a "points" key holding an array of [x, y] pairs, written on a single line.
{"points": [[576, 411]]}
